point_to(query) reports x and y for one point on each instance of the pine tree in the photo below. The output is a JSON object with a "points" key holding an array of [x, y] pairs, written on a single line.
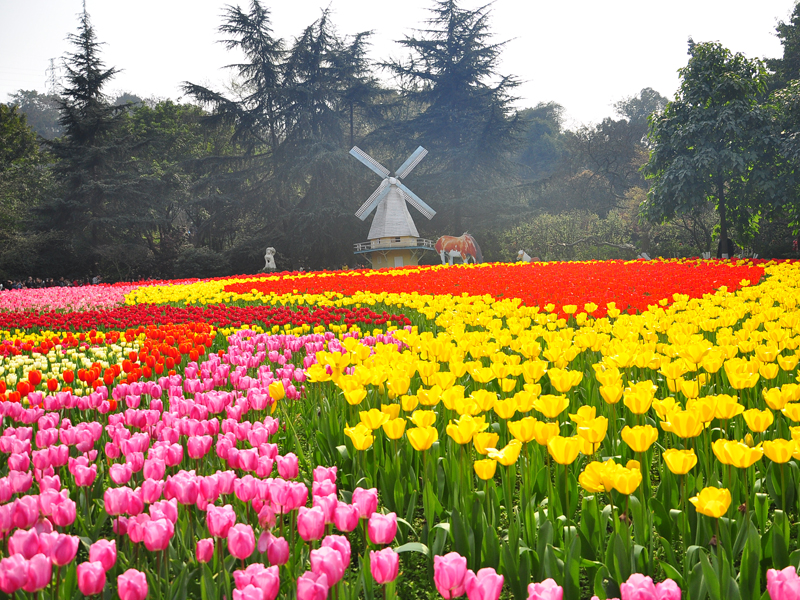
{"points": [[466, 122], [102, 191]]}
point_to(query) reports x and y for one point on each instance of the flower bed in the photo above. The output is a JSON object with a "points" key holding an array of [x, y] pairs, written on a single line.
{"points": [[602, 429]]}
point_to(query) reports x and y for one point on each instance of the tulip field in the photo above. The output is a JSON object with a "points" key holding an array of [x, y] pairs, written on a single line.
{"points": [[540, 431]]}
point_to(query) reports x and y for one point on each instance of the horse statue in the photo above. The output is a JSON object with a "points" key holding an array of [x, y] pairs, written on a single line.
{"points": [[525, 257], [463, 246], [269, 259]]}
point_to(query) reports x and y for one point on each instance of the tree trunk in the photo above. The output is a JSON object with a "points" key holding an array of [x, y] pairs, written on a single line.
{"points": [[723, 221]]}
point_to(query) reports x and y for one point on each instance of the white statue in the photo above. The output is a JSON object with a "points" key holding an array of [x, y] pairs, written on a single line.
{"points": [[525, 257], [269, 259]]}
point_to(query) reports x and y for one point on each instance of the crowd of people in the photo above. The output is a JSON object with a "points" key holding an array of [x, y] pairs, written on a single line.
{"points": [[35, 283]]}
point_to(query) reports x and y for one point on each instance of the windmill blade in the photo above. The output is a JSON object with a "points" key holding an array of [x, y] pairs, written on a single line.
{"points": [[373, 201], [411, 162], [416, 201], [369, 162]]}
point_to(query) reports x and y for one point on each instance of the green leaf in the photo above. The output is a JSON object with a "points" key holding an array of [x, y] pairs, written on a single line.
{"points": [[710, 578], [413, 547]]}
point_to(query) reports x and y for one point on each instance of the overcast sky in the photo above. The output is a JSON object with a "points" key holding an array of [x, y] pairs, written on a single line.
{"points": [[585, 55]]}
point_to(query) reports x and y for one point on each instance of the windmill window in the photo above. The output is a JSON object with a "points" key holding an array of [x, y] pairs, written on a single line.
{"points": [[396, 239]]}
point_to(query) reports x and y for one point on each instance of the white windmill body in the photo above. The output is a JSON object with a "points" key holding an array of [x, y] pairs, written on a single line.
{"points": [[393, 238]]}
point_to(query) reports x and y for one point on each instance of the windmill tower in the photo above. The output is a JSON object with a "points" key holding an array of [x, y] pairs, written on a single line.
{"points": [[393, 238]]}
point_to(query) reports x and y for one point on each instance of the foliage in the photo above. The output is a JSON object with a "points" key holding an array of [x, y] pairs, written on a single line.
{"points": [[41, 111], [713, 142]]}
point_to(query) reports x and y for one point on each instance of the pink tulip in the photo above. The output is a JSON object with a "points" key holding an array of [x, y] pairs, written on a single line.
{"points": [[64, 513], [384, 565], [249, 592], [784, 584], [341, 544], [24, 542], [641, 587], [116, 501], [198, 446], [64, 549], [157, 534], [40, 572], [312, 586], [84, 476], [323, 488], [132, 585], [311, 523], [241, 541], [205, 550], [220, 519], [325, 474], [366, 501], [91, 578], [104, 552], [278, 551], [485, 585], [328, 505], [287, 466], [546, 590], [328, 561], [120, 473], [382, 528], [13, 573], [345, 517], [152, 490], [154, 468], [449, 572]]}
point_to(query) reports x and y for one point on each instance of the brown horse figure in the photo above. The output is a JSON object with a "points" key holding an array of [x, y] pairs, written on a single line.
{"points": [[464, 246]]}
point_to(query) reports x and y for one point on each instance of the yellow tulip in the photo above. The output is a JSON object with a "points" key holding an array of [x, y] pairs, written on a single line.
{"points": [[409, 402], [485, 440], [373, 418], [523, 430], [523, 401], [779, 451], [393, 410], [775, 398], [422, 438], [727, 407], [355, 397], [462, 430], [423, 418], [689, 388], [484, 398], [758, 420], [593, 430], [611, 393], [551, 406], [664, 407], [452, 395], [705, 406], [639, 396], [610, 376], [684, 423], [508, 455], [544, 432], [360, 435], [679, 462], [639, 438], [788, 363], [398, 385], [533, 370], [737, 454], [564, 380], [429, 397], [627, 479], [276, 390], [444, 379], [394, 428], [564, 450], [485, 469], [792, 410], [712, 501], [591, 479], [505, 409], [768, 370], [585, 413]]}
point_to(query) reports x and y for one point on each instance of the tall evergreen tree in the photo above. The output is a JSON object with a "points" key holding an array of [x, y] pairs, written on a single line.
{"points": [[466, 122], [787, 68], [102, 189]]}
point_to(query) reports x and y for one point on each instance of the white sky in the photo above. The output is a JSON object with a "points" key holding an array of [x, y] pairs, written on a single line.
{"points": [[585, 55]]}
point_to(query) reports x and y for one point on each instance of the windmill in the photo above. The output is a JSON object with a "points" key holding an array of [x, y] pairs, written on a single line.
{"points": [[393, 238]]}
